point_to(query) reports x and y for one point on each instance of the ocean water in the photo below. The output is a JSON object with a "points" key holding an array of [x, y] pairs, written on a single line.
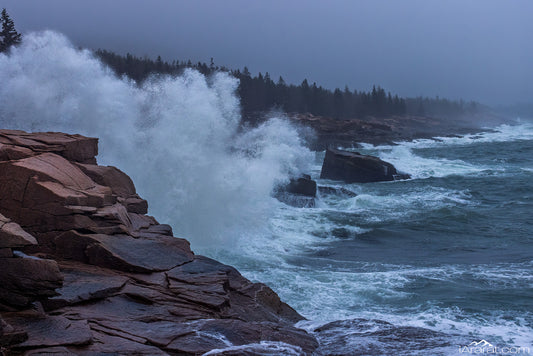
{"points": [[421, 266], [445, 258]]}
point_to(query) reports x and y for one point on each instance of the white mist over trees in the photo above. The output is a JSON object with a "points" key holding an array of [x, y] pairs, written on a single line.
{"points": [[177, 137]]}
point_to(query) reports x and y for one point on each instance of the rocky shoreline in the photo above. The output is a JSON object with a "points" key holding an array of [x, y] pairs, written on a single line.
{"points": [[85, 271], [330, 132]]}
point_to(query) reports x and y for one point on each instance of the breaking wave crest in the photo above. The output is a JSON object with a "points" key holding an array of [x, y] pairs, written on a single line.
{"points": [[178, 137]]}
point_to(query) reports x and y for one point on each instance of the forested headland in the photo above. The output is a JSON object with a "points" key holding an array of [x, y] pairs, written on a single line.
{"points": [[260, 93]]}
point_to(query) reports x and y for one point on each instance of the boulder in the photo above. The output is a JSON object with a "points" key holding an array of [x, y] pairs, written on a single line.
{"points": [[299, 192], [302, 186], [353, 167]]}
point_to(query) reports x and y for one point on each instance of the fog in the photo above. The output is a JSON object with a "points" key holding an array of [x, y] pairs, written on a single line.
{"points": [[475, 50]]}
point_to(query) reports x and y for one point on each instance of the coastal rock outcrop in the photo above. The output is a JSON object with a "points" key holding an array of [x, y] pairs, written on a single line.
{"points": [[353, 167], [332, 132], [303, 185], [299, 192], [84, 270]]}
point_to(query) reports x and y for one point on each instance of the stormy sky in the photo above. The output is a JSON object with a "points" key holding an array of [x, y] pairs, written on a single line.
{"points": [[477, 49]]}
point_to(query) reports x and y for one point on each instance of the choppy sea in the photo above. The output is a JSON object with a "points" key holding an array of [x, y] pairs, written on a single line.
{"points": [[421, 266]]}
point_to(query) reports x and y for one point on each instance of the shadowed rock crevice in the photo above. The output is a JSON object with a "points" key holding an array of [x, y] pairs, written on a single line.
{"points": [[84, 271]]}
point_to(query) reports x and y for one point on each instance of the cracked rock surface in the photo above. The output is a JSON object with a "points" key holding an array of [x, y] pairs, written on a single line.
{"points": [[84, 270]]}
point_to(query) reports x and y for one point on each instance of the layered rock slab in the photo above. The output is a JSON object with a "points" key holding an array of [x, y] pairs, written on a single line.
{"points": [[86, 272]]}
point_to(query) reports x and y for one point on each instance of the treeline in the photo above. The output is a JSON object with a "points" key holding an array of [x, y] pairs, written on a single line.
{"points": [[443, 108], [8, 35], [261, 93]]}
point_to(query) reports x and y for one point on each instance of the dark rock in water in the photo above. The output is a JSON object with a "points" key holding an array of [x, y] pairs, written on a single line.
{"points": [[378, 337], [298, 201], [300, 192], [302, 186], [339, 191], [353, 167], [84, 271]]}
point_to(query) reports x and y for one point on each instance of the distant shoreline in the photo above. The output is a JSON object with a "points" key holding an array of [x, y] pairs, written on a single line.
{"points": [[329, 132]]}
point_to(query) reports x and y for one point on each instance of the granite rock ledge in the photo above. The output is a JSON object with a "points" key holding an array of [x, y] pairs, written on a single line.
{"points": [[84, 270]]}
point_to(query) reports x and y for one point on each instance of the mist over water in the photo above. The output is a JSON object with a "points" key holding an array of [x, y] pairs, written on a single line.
{"points": [[177, 137]]}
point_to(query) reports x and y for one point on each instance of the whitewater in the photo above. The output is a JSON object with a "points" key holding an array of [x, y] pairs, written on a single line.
{"points": [[421, 266]]}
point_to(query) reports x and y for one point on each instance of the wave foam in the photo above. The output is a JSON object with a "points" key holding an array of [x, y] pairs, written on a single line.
{"points": [[177, 137]]}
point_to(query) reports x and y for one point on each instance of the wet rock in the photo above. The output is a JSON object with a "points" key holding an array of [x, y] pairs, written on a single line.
{"points": [[338, 191], [160, 333], [24, 278], [27, 279], [9, 335], [353, 167], [302, 186], [378, 337], [50, 351], [123, 252], [262, 303], [299, 192], [84, 283], [13, 236], [298, 201], [6, 252], [206, 282], [105, 344], [222, 334], [75, 239], [50, 331]]}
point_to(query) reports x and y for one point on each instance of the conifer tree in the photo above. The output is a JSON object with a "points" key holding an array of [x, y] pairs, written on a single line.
{"points": [[9, 35]]}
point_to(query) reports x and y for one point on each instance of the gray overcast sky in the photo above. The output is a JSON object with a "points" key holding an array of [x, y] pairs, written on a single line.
{"points": [[475, 49]]}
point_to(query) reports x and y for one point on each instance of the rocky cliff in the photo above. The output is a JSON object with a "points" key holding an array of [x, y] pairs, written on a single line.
{"points": [[84, 270]]}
